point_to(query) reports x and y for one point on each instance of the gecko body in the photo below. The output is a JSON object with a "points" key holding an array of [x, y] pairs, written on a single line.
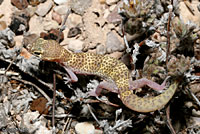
{"points": [[106, 67]]}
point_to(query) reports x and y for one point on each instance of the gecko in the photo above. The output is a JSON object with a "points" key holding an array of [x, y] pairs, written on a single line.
{"points": [[110, 69]]}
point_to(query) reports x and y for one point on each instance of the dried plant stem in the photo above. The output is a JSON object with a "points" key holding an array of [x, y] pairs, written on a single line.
{"points": [[29, 83], [169, 121], [63, 24], [194, 97], [168, 38], [93, 115], [53, 102], [67, 125]]}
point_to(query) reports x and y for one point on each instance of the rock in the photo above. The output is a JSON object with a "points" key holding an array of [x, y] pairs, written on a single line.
{"points": [[18, 40], [113, 44], [61, 9], [106, 13], [29, 39], [5, 12], [112, 7], [75, 45], [97, 131], [57, 17], [50, 25], [52, 34], [2, 25], [116, 55], [60, 110], [39, 104], [111, 2], [20, 4], [34, 2], [186, 14], [102, 1], [39, 127], [114, 16], [44, 8], [3, 118], [73, 32], [31, 10], [20, 22], [73, 20], [84, 128], [95, 28], [60, 1], [1, 1], [101, 49], [79, 6]]}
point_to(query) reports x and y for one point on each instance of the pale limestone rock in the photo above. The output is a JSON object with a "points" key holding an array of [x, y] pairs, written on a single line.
{"points": [[73, 20], [113, 43], [75, 45], [80, 6], [61, 9], [44, 8], [50, 25], [39, 126], [60, 1], [84, 128], [186, 14], [111, 2], [57, 17]]}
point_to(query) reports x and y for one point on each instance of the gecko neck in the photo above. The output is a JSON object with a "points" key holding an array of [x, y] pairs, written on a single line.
{"points": [[65, 55]]}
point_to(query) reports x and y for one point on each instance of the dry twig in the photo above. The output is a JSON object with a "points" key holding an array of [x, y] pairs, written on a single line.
{"points": [[169, 121]]}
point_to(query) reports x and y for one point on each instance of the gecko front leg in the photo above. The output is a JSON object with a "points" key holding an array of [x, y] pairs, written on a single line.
{"points": [[143, 81], [72, 76]]}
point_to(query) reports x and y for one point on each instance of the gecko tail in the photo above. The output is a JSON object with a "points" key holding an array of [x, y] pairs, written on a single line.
{"points": [[150, 104]]}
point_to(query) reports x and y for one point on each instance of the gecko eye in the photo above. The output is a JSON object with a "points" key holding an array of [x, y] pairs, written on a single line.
{"points": [[37, 53]]}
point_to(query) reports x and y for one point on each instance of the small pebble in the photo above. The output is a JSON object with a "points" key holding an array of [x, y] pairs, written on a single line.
{"points": [[60, 110], [50, 25], [57, 17], [112, 7], [75, 45], [60, 1], [2, 25], [102, 1], [3, 121], [61, 9], [114, 16], [73, 32], [111, 2], [53, 34], [79, 6], [84, 128], [34, 2], [44, 8], [101, 49], [73, 20], [113, 44], [39, 105], [20, 4], [20, 22]]}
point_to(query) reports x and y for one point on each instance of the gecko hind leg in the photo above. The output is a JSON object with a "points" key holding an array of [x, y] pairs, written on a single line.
{"points": [[103, 85], [133, 85], [143, 81]]}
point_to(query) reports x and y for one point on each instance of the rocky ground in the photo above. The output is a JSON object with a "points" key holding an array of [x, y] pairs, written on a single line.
{"points": [[155, 39]]}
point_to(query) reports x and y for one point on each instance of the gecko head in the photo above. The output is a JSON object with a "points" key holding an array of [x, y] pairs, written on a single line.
{"points": [[48, 50]]}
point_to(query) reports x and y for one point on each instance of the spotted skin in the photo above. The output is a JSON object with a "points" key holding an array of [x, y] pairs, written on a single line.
{"points": [[106, 67]]}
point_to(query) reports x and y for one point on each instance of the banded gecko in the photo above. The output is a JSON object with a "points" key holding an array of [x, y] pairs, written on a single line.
{"points": [[110, 69]]}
